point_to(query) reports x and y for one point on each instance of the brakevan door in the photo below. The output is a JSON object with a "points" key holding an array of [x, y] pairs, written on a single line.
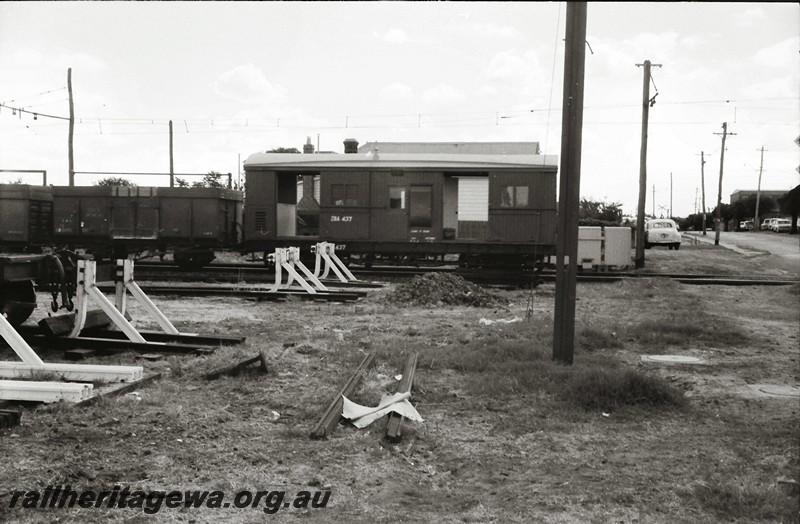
{"points": [[420, 213]]}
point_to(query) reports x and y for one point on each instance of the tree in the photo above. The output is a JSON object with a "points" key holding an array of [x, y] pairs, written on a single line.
{"points": [[212, 179], [726, 214], [284, 150], [114, 181], [694, 222], [746, 209], [180, 182], [599, 213]]}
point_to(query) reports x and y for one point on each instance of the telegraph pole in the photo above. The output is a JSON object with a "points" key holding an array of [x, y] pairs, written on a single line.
{"points": [[719, 192], [171, 167], [756, 224], [647, 102], [654, 201], [670, 195], [569, 194], [71, 168], [703, 186]]}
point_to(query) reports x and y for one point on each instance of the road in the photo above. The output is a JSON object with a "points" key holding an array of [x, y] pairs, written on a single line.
{"points": [[779, 250]]}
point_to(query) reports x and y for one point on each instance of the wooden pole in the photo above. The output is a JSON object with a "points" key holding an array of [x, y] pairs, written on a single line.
{"points": [[171, 165], [703, 186], [719, 192], [569, 193], [670, 196], [654, 200], [756, 224], [71, 167], [639, 260]]}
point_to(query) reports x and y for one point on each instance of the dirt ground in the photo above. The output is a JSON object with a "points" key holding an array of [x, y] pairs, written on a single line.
{"points": [[507, 434]]}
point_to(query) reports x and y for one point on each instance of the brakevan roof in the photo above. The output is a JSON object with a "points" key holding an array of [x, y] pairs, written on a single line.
{"points": [[465, 148], [380, 160]]}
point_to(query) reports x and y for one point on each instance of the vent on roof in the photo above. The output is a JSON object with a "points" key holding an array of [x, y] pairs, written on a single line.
{"points": [[351, 146]]}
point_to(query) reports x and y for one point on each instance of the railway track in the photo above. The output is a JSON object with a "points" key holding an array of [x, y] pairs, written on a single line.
{"points": [[244, 274]]}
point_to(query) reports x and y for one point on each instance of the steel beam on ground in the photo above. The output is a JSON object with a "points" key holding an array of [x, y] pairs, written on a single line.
{"points": [[394, 428], [73, 372], [34, 391]]}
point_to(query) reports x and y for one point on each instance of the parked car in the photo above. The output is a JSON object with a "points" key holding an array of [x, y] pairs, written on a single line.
{"points": [[662, 232], [781, 225], [746, 225], [766, 224]]}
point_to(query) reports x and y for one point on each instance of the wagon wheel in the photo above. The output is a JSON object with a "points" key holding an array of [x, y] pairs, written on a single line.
{"points": [[17, 301]]}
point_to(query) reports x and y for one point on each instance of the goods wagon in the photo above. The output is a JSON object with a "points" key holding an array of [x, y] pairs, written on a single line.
{"points": [[114, 221], [26, 217], [476, 203]]}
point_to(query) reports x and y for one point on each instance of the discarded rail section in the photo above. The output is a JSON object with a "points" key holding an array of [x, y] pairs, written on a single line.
{"points": [[334, 413]]}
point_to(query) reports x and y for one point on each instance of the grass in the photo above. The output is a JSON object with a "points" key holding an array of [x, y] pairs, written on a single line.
{"points": [[509, 434], [731, 501], [605, 389], [685, 329], [590, 339], [516, 359]]}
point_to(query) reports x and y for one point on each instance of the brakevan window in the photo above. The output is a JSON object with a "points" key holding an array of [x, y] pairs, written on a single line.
{"points": [[514, 196], [345, 195], [397, 197]]}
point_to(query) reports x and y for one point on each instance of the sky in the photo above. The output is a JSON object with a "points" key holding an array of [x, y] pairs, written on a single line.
{"points": [[238, 78]]}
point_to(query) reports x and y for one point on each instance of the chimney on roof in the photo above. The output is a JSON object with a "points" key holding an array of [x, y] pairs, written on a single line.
{"points": [[351, 146], [308, 148]]}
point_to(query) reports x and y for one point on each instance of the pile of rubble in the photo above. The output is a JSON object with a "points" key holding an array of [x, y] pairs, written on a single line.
{"points": [[436, 289]]}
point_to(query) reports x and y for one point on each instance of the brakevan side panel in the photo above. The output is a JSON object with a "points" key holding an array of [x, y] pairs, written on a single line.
{"points": [[407, 206], [522, 207], [260, 215], [345, 206]]}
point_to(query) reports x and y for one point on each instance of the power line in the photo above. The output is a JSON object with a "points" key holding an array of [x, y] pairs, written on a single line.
{"points": [[36, 115], [40, 94]]}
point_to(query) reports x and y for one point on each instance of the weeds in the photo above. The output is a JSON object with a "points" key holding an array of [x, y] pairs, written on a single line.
{"points": [[606, 389]]}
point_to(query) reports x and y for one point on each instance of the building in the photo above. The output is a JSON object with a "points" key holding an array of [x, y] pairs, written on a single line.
{"points": [[744, 194]]}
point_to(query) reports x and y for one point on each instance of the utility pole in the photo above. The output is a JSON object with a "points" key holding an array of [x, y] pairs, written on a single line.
{"points": [[71, 168], [647, 102], [171, 166], [654, 201], [756, 224], [569, 193], [670, 196], [719, 192], [703, 186]]}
